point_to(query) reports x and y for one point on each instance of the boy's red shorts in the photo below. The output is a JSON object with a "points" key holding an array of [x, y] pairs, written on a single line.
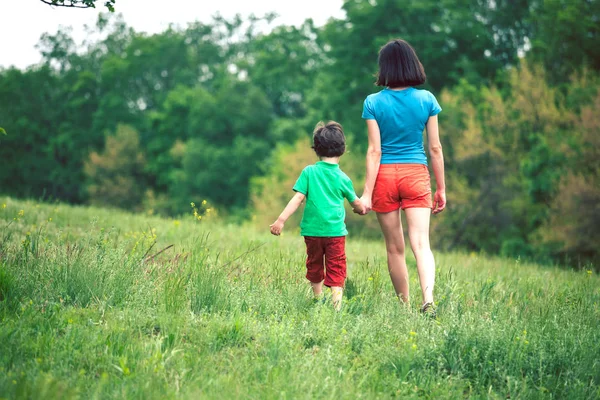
{"points": [[402, 186], [333, 270]]}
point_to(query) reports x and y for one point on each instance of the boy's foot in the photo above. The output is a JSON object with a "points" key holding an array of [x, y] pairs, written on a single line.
{"points": [[428, 310], [319, 300]]}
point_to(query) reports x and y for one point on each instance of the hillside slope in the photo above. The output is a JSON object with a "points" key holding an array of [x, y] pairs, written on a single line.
{"points": [[91, 308]]}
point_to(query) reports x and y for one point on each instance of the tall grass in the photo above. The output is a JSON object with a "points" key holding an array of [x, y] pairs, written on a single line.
{"points": [[102, 304]]}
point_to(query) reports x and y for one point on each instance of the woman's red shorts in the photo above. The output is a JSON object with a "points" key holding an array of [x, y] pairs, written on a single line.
{"points": [[402, 186]]}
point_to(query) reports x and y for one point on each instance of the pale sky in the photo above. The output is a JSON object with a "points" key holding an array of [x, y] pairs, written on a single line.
{"points": [[22, 22]]}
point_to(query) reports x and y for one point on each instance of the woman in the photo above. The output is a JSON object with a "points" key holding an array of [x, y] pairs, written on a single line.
{"points": [[397, 175]]}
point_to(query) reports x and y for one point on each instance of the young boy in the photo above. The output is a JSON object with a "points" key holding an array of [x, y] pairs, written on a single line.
{"points": [[324, 186]]}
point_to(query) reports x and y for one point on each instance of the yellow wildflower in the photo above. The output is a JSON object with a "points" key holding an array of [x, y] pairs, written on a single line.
{"points": [[21, 213], [3, 205], [204, 202], [193, 204]]}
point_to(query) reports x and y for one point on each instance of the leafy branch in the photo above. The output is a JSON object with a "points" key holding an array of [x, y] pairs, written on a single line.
{"points": [[79, 3]]}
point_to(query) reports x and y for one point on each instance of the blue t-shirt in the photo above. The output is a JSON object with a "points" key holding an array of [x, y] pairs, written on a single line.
{"points": [[401, 116]]}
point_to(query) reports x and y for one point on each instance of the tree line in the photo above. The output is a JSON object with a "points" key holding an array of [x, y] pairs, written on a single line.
{"points": [[222, 111]]}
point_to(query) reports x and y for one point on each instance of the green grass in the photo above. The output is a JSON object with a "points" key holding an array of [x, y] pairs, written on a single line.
{"points": [[86, 312]]}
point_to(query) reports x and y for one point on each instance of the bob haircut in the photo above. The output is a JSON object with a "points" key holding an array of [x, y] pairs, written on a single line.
{"points": [[399, 65], [329, 139]]}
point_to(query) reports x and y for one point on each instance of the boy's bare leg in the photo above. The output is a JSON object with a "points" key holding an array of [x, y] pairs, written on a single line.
{"points": [[336, 297], [317, 289]]}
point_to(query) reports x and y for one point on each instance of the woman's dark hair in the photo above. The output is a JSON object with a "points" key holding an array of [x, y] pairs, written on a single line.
{"points": [[329, 139], [399, 66]]}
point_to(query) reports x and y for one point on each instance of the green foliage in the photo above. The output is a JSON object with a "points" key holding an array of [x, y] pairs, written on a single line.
{"points": [[116, 176], [454, 40], [98, 313], [80, 3], [565, 36], [214, 104], [573, 225]]}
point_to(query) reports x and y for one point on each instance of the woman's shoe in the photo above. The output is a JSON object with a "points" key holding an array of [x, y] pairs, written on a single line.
{"points": [[428, 310]]}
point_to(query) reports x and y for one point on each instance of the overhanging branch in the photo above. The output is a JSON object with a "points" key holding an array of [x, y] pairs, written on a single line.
{"points": [[72, 5]]}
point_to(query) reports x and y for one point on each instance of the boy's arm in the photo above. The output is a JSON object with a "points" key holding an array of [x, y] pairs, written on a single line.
{"points": [[358, 206], [291, 208]]}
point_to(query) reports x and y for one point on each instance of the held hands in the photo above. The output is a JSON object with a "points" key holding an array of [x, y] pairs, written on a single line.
{"points": [[366, 202], [276, 227], [439, 202]]}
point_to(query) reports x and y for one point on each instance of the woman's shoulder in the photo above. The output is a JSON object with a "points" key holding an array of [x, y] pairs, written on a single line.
{"points": [[422, 93], [373, 96]]}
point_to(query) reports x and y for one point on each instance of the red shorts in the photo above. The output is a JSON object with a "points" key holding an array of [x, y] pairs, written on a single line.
{"points": [[402, 186], [333, 249]]}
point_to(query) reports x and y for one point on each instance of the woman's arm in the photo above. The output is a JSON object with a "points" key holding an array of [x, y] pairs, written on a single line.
{"points": [[291, 208], [373, 161], [437, 163]]}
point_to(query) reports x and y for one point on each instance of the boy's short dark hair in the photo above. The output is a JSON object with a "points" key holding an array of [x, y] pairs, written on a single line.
{"points": [[329, 139], [399, 65]]}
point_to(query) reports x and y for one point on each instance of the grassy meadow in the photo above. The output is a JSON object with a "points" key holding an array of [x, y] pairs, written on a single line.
{"points": [[91, 308]]}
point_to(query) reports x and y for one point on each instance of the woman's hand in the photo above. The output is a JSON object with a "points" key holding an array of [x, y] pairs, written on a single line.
{"points": [[367, 204], [439, 201]]}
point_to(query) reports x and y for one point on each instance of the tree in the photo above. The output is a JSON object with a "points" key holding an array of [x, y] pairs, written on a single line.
{"points": [[454, 39], [284, 64], [574, 222], [116, 176], [229, 139], [565, 36], [80, 3], [26, 116]]}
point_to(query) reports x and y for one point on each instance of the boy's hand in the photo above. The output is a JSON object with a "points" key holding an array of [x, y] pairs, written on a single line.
{"points": [[277, 227], [358, 207]]}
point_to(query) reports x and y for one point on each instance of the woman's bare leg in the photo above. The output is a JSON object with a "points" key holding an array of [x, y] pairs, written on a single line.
{"points": [[418, 233], [391, 226]]}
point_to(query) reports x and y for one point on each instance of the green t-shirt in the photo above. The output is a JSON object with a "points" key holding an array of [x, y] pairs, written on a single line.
{"points": [[325, 187]]}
